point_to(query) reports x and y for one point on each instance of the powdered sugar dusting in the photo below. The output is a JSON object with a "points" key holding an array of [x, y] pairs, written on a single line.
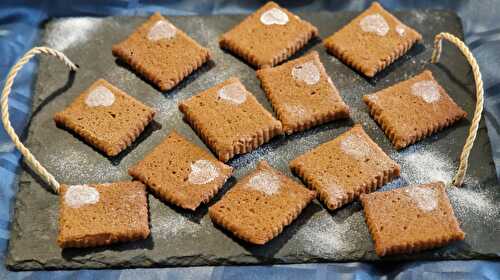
{"points": [[80, 195], [78, 166], [174, 224], [274, 16], [100, 96], [265, 182], [162, 29], [424, 165], [202, 172], [425, 198], [325, 235], [306, 72], [72, 31], [400, 29], [354, 146], [296, 111], [374, 23], [427, 90], [234, 93], [335, 191]]}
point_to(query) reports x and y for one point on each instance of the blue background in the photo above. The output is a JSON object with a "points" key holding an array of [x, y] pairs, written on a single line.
{"points": [[20, 23]]}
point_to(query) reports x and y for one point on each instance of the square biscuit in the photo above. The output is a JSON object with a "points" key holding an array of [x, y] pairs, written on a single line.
{"points": [[268, 36], [181, 173], [372, 40], [346, 167], [302, 94], [161, 53], [106, 117], [229, 119], [260, 205], [413, 109], [411, 219], [102, 214]]}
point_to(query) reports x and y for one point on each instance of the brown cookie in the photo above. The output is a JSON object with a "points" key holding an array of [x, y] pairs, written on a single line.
{"points": [[161, 53], [413, 109], [268, 36], [181, 173], [302, 94], [230, 119], [101, 214], [372, 40], [106, 117], [411, 219], [346, 167], [260, 205]]}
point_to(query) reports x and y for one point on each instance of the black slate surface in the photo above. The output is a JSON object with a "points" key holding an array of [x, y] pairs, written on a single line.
{"points": [[181, 238]]}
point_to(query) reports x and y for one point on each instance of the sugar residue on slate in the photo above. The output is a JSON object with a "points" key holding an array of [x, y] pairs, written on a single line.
{"points": [[169, 226], [73, 166], [72, 31], [324, 236]]}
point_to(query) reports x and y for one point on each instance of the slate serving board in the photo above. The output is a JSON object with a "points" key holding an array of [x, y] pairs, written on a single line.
{"points": [[181, 238]]}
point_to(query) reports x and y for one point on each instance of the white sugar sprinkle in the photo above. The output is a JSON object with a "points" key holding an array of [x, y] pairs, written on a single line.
{"points": [[325, 236], [234, 93], [374, 24], [80, 195], [306, 72], [274, 16], [400, 29], [425, 198], [162, 29], [100, 96], [354, 146], [72, 31], [296, 111], [202, 172], [427, 90], [265, 182], [168, 226]]}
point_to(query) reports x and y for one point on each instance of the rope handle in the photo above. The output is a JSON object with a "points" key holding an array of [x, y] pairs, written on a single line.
{"points": [[28, 156], [464, 157]]}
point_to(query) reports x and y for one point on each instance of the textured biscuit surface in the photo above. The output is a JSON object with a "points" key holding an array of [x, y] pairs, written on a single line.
{"points": [[163, 56], [229, 119], [260, 205], [344, 168], [106, 117], [411, 219], [181, 172], [265, 45], [413, 109], [101, 214], [302, 94], [372, 40]]}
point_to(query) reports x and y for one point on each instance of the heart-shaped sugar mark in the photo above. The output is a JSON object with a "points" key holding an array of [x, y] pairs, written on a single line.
{"points": [[425, 198], [100, 96], [427, 90], [162, 29], [307, 72], [80, 195], [234, 93], [274, 16], [356, 147], [265, 182], [202, 172], [374, 24]]}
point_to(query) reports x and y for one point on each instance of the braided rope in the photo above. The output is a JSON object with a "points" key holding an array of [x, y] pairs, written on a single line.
{"points": [[464, 157], [28, 156]]}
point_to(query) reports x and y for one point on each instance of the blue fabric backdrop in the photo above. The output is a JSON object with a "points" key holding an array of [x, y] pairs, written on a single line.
{"points": [[20, 23]]}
